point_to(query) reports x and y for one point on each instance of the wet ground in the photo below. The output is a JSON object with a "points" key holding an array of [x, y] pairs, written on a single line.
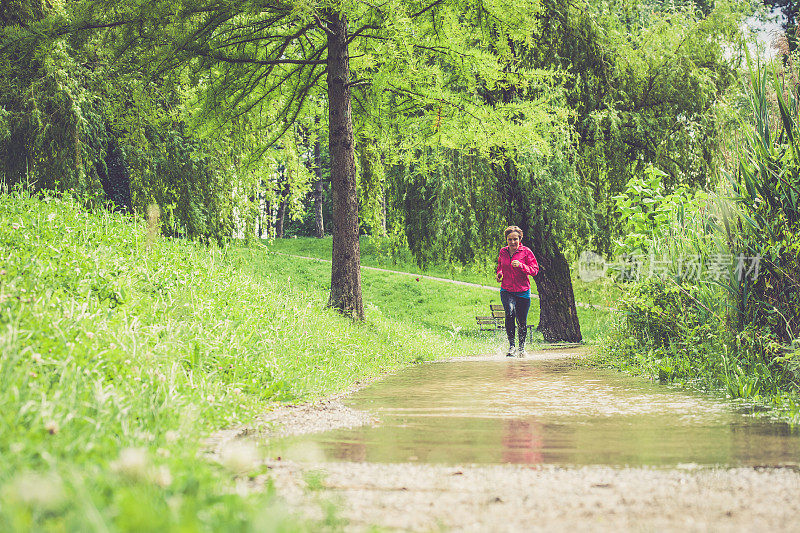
{"points": [[544, 410], [539, 444]]}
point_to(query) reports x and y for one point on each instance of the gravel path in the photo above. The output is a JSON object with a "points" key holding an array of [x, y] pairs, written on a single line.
{"points": [[414, 497], [509, 498]]}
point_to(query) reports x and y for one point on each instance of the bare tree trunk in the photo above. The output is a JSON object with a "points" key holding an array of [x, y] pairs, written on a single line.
{"points": [[346, 269], [268, 222], [116, 178], [383, 211], [280, 217], [319, 229]]}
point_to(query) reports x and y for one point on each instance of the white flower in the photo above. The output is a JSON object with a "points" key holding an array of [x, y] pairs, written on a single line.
{"points": [[40, 491], [239, 457], [50, 217], [145, 436], [171, 436], [162, 476], [132, 463]]}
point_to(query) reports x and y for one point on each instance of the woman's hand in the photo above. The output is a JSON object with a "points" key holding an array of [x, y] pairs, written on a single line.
{"points": [[515, 263]]}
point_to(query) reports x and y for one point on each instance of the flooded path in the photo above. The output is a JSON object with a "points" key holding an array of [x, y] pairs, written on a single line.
{"points": [[544, 411], [539, 444]]}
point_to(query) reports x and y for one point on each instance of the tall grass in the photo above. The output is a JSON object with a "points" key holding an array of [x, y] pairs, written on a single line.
{"points": [[120, 351]]}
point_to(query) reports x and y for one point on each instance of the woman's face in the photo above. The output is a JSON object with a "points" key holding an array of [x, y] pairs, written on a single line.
{"points": [[513, 241]]}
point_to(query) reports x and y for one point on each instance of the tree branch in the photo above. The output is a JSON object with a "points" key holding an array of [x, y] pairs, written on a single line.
{"points": [[431, 6], [356, 83], [324, 27], [360, 30], [250, 61]]}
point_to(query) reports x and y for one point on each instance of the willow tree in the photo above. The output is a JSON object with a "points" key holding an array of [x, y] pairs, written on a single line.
{"points": [[524, 177], [643, 81], [272, 59]]}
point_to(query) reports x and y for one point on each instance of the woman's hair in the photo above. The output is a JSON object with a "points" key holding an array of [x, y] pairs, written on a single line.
{"points": [[512, 229]]}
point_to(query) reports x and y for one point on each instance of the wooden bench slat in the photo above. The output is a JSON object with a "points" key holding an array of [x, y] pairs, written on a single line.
{"points": [[497, 320], [487, 323]]}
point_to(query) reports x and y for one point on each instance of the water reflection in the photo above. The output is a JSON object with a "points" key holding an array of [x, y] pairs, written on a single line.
{"points": [[523, 441], [531, 412]]}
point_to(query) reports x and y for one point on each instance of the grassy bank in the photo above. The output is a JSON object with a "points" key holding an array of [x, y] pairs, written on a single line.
{"points": [[122, 350]]}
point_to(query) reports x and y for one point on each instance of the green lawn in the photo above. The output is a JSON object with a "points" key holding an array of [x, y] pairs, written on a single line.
{"points": [[121, 351], [437, 305]]}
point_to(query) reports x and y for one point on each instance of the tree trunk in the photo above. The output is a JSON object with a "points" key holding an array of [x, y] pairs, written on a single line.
{"points": [[269, 224], [384, 186], [558, 316], [319, 227], [383, 211], [284, 179], [262, 214], [346, 269], [284, 199], [116, 178]]}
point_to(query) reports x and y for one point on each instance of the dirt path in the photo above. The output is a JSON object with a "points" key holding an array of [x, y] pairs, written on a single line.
{"points": [[509, 498]]}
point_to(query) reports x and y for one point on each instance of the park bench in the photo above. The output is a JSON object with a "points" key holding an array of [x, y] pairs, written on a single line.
{"points": [[494, 322], [497, 321]]}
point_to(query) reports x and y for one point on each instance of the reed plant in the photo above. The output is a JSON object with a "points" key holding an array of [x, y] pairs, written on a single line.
{"points": [[733, 325]]}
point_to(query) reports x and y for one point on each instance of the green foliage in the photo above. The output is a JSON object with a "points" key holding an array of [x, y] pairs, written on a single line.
{"points": [[642, 81], [736, 331], [69, 98], [650, 310], [122, 350], [449, 208], [670, 333], [650, 218], [767, 189], [52, 127]]}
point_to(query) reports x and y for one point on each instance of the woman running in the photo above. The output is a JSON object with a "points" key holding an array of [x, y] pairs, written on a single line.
{"points": [[514, 264]]}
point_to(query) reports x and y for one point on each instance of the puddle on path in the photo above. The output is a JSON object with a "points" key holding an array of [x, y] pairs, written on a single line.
{"points": [[530, 412]]}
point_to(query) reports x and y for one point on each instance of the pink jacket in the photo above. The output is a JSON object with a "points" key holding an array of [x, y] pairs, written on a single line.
{"points": [[516, 279]]}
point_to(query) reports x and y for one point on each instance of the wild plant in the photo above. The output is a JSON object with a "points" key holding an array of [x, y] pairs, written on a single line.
{"points": [[736, 318]]}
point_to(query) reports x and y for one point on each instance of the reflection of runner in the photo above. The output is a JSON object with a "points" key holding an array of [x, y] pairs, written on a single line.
{"points": [[523, 439], [515, 263]]}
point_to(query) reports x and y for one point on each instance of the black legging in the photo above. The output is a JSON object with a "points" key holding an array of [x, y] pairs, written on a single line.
{"points": [[516, 309]]}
